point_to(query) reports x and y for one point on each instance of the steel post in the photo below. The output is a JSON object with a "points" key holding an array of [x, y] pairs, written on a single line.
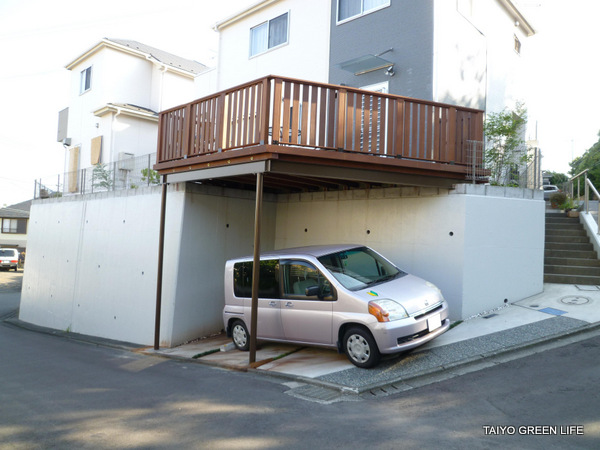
{"points": [[161, 245], [256, 267]]}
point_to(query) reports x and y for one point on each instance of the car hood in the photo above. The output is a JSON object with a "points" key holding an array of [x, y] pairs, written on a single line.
{"points": [[412, 292]]}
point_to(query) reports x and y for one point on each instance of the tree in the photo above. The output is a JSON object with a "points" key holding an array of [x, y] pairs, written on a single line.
{"points": [[102, 177], [557, 178], [506, 150], [589, 160]]}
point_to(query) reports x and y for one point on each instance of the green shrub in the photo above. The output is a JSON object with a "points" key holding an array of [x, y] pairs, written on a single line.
{"points": [[557, 199]]}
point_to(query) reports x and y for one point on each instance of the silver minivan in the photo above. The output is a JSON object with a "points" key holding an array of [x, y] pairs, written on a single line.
{"points": [[347, 297]]}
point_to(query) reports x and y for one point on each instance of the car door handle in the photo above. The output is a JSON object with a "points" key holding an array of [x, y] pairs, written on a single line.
{"points": [[273, 304], [289, 305]]}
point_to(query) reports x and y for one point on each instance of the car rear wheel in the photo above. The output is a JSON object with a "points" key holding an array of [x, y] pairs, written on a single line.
{"points": [[240, 335], [361, 348]]}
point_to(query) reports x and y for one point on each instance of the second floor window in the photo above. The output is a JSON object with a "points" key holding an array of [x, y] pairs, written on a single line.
{"points": [[348, 9], [269, 35], [86, 80]]}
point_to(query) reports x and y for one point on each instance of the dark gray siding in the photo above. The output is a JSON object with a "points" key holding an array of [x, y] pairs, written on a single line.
{"points": [[407, 27]]}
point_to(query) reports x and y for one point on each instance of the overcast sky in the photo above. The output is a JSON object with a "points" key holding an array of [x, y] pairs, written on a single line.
{"points": [[38, 37]]}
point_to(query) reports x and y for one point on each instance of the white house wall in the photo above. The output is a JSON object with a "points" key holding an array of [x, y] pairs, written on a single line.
{"points": [[459, 60], [131, 135], [305, 56], [475, 63]]}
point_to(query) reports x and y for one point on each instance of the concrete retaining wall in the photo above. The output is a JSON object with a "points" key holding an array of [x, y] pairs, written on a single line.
{"points": [[92, 260]]}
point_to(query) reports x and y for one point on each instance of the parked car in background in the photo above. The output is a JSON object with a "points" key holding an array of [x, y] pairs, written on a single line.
{"points": [[550, 189], [347, 297], [9, 258]]}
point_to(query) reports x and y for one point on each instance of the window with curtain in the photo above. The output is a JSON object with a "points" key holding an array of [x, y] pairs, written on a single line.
{"points": [[348, 9], [269, 35], [14, 226]]}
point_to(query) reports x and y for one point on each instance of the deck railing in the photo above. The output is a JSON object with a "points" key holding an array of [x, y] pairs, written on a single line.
{"points": [[284, 111]]}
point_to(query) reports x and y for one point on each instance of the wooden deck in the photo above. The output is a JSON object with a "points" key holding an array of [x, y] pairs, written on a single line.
{"points": [[315, 136]]}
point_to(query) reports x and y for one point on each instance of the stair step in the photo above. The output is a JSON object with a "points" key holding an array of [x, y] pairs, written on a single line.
{"points": [[557, 239], [562, 220], [571, 279], [564, 226], [569, 246], [572, 270], [586, 262], [553, 253], [562, 232]]}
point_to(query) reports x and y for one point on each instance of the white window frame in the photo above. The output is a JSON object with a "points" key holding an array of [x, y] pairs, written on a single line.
{"points": [[382, 88], [85, 81], [268, 23], [517, 45], [362, 13]]}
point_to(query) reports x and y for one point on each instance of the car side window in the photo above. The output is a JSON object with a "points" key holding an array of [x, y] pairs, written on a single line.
{"points": [[268, 284], [303, 281]]}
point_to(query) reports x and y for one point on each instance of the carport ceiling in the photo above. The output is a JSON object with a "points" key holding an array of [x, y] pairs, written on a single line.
{"points": [[291, 177]]}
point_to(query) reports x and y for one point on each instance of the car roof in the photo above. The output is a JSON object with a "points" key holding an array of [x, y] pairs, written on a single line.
{"points": [[295, 252]]}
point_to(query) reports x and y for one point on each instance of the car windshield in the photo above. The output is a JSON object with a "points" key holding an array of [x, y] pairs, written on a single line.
{"points": [[359, 268]]}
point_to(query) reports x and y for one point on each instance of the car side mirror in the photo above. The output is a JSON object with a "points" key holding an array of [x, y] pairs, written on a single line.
{"points": [[312, 291]]}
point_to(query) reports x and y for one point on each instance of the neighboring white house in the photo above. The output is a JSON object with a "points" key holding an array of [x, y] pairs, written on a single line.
{"points": [[117, 89]]}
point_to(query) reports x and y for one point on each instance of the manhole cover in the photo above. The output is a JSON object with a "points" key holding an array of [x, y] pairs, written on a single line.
{"points": [[575, 300]]}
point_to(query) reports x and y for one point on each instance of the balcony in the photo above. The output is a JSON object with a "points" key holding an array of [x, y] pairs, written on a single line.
{"points": [[312, 136]]}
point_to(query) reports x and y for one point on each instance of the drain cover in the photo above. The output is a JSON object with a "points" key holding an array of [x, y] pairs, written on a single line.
{"points": [[575, 300]]}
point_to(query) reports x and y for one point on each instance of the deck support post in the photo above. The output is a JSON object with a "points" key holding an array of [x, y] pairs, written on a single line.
{"points": [[159, 277], [256, 267]]}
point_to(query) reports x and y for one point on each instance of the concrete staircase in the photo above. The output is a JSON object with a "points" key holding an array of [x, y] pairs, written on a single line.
{"points": [[570, 258]]}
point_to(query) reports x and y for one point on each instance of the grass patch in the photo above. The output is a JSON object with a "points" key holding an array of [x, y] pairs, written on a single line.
{"points": [[208, 352], [455, 324]]}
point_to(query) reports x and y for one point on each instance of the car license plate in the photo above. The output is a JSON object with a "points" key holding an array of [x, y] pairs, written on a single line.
{"points": [[434, 322]]}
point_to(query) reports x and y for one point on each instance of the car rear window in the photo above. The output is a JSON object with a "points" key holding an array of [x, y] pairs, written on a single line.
{"points": [[269, 279], [8, 252]]}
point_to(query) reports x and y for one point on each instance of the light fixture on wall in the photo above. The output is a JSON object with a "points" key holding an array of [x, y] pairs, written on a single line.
{"points": [[390, 71]]}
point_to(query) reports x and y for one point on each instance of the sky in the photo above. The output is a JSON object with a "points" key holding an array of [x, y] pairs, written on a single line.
{"points": [[38, 38]]}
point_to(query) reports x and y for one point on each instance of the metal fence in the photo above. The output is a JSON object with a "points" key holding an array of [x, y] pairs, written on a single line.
{"points": [[475, 162], [128, 173], [531, 176]]}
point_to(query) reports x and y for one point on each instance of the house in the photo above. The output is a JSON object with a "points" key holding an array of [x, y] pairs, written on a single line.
{"points": [[306, 162], [462, 52], [117, 88], [15, 220]]}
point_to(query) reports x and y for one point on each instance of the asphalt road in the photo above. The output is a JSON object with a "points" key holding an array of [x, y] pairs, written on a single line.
{"points": [[59, 393], [10, 291]]}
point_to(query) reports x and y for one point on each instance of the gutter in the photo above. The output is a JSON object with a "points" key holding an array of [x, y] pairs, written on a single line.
{"points": [[243, 14], [520, 20]]}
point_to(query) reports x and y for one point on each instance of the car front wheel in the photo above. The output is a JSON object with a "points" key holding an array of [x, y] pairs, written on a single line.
{"points": [[240, 335], [361, 348]]}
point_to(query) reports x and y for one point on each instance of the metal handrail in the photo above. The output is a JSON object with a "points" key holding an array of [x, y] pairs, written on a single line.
{"points": [[587, 186]]}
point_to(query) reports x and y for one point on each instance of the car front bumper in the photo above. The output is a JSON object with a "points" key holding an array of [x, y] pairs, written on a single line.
{"points": [[405, 334]]}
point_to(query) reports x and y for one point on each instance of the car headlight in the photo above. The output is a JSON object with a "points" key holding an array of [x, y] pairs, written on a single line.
{"points": [[387, 310]]}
